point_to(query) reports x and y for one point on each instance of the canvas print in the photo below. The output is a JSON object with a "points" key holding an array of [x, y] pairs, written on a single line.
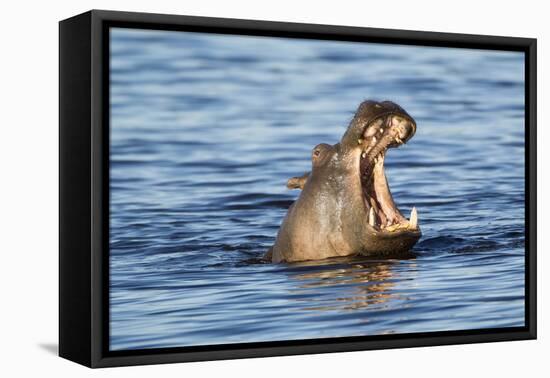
{"points": [[273, 189]]}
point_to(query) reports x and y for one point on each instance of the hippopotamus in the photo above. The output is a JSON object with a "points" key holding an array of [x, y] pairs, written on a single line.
{"points": [[345, 207]]}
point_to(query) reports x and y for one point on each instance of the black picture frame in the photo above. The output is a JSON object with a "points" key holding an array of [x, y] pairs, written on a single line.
{"points": [[84, 187]]}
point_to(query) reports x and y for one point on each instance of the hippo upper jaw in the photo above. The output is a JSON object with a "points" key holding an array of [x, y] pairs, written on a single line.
{"points": [[369, 113]]}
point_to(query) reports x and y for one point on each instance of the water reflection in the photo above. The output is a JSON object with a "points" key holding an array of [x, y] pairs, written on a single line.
{"points": [[355, 283]]}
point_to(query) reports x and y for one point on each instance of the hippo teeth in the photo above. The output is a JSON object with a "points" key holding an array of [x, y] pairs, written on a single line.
{"points": [[411, 224], [413, 219], [371, 217]]}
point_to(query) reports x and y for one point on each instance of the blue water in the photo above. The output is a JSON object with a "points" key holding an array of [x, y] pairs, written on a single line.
{"points": [[205, 130]]}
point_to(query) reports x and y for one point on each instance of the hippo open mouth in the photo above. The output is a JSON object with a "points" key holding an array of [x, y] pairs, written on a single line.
{"points": [[383, 133]]}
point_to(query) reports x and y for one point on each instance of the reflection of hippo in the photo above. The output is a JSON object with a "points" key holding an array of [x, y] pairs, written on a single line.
{"points": [[345, 206], [359, 285]]}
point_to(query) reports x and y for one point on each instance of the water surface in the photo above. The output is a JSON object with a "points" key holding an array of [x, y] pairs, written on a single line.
{"points": [[205, 131]]}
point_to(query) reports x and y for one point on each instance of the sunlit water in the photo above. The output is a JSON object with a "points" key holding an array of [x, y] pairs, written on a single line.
{"points": [[205, 130]]}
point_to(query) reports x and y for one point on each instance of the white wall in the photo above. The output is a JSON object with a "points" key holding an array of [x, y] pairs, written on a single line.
{"points": [[28, 212]]}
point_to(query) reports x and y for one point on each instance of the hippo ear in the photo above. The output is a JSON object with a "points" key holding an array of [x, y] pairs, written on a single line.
{"points": [[297, 182]]}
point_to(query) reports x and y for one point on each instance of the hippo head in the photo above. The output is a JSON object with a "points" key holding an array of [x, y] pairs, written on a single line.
{"points": [[346, 207]]}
